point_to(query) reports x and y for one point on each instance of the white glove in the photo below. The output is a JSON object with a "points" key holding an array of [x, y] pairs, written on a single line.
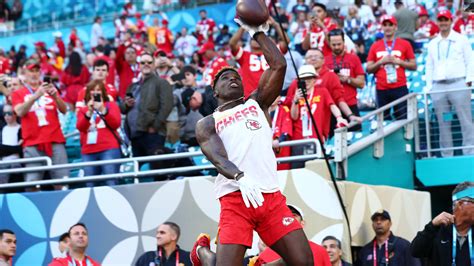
{"points": [[251, 192], [252, 29]]}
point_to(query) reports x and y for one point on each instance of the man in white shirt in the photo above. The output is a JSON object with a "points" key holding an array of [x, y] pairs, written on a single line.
{"points": [[186, 44], [449, 68], [97, 32]]}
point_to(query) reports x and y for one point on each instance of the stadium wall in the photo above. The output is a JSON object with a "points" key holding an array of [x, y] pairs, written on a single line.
{"points": [[122, 220]]}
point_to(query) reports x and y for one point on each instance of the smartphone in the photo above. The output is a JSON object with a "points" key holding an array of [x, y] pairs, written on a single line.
{"points": [[129, 94], [47, 79], [97, 98]]}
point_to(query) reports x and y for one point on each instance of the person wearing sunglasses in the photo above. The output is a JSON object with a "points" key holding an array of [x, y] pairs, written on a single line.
{"points": [[147, 106], [448, 238]]}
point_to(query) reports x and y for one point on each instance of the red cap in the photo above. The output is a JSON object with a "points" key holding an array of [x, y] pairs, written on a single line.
{"points": [[422, 12], [164, 22], [388, 18], [138, 15], [32, 63], [40, 44], [445, 14], [205, 47]]}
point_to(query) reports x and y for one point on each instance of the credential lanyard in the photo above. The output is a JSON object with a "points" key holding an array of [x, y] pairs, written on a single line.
{"points": [[447, 52], [274, 120], [159, 256], [73, 262], [389, 50], [32, 92], [469, 239], [375, 252]]}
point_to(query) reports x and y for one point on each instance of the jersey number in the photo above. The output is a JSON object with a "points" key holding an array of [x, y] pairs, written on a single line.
{"points": [[258, 63]]}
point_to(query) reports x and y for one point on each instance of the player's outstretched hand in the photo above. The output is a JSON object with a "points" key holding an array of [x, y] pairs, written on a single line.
{"points": [[251, 29], [251, 192]]}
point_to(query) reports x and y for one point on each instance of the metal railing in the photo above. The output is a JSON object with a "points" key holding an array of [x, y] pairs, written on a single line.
{"points": [[442, 131], [344, 149], [136, 173], [45, 159]]}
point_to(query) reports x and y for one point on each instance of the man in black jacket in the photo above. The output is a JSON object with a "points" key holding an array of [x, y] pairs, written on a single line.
{"points": [[147, 105], [168, 252], [385, 248], [436, 243]]}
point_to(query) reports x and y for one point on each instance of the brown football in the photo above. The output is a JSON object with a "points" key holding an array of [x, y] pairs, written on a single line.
{"points": [[252, 12]]}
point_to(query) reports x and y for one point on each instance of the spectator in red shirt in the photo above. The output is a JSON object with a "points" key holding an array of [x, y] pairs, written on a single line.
{"points": [[465, 24], [98, 122], [388, 58], [214, 63], [205, 28], [164, 38], [326, 79], [76, 255], [74, 78], [349, 69], [5, 67], [320, 256], [38, 104], [322, 105], [58, 42], [282, 128], [320, 25], [427, 29], [102, 55], [73, 38], [100, 73], [127, 67]]}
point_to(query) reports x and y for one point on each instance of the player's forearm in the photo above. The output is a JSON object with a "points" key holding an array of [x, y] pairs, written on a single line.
{"points": [[272, 55], [233, 42]]}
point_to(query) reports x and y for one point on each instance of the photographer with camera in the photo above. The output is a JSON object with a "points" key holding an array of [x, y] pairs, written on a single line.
{"points": [[98, 122], [322, 105], [349, 69], [38, 103]]}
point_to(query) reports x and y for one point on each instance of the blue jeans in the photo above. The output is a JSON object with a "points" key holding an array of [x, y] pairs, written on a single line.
{"points": [[102, 169]]}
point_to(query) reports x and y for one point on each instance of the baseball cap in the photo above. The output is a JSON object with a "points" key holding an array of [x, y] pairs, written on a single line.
{"points": [[32, 63], [307, 71], [445, 14], [57, 34], [399, 2], [422, 12], [40, 44], [295, 210], [383, 213], [206, 46], [186, 96], [159, 53], [164, 22], [388, 18]]}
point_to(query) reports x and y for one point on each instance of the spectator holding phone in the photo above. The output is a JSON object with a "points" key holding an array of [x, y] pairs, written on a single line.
{"points": [[38, 103], [98, 122]]}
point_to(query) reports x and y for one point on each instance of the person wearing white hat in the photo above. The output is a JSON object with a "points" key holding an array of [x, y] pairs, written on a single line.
{"points": [[321, 104]]}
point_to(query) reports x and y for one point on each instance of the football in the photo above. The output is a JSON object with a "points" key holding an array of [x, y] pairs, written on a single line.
{"points": [[252, 12]]}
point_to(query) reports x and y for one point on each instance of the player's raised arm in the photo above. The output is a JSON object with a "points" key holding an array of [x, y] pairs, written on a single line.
{"points": [[271, 81]]}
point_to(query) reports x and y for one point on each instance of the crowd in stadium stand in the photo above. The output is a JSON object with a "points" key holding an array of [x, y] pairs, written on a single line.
{"points": [[159, 82]]}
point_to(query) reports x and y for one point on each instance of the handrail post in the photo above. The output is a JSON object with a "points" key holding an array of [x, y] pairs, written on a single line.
{"points": [[427, 126], [340, 152], [379, 145], [411, 115], [136, 169]]}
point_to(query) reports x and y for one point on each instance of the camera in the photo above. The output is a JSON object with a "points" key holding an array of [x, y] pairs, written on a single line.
{"points": [[129, 94], [97, 98], [337, 69]]}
